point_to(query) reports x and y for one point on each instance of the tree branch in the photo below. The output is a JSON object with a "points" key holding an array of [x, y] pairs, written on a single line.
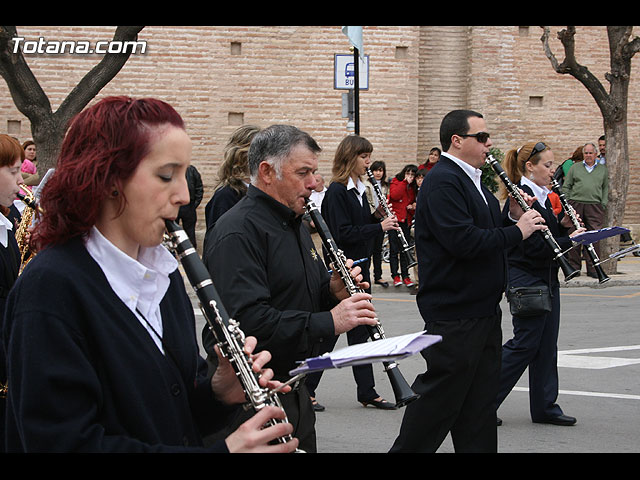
{"points": [[26, 92], [97, 77], [571, 66]]}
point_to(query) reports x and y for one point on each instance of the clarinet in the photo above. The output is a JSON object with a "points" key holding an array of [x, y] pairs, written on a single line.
{"points": [[407, 250], [568, 209], [401, 389], [230, 338], [567, 269]]}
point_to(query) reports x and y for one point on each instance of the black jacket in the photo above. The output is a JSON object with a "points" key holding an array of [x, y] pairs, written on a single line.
{"points": [[461, 245], [352, 225], [271, 279], [534, 255]]}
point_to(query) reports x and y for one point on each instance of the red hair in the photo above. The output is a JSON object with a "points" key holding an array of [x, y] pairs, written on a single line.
{"points": [[10, 150], [101, 150]]}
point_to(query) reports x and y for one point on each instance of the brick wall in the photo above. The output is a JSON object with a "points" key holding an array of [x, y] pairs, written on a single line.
{"points": [[218, 77]]}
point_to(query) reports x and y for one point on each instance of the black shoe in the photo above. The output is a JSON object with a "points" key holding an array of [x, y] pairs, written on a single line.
{"points": [[498, 421], [381, 404], [592, 274], [316, 406], [382, 283], [563, 420]]}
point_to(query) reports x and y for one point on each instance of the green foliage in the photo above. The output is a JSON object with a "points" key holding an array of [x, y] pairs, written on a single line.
{"points": [[489, 177]]}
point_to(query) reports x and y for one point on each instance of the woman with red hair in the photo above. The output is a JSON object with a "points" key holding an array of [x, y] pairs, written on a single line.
{"points": [[11, 157], [106, 359]]}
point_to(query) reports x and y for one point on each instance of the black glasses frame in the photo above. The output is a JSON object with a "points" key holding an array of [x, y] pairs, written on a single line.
{"points": [[481, 137]]}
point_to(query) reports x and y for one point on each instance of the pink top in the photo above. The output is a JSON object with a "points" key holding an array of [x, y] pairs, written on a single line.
{"points": [[28, 166]]}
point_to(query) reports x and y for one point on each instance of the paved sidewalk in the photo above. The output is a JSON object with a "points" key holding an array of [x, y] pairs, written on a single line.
{"points": [[628, 273]]}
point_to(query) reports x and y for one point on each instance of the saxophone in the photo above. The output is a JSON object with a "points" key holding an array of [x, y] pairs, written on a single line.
{"points": [[22, 232]]}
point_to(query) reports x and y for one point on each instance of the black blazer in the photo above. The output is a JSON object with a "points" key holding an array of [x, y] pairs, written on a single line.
{"points": [[534, 255], [461, 245], [352, 225]]}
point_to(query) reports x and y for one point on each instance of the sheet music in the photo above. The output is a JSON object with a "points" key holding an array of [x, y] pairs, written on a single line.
{"points": [[593, 236], [388, 349], [625, 251]]}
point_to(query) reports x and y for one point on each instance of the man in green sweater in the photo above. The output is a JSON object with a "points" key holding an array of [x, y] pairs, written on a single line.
{"points": [[586, 186]]}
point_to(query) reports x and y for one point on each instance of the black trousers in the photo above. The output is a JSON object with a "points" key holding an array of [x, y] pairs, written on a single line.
{"points": [[376, 257], [593, 215], [395, 250], [534, 346], [362, 374], [458, 389]]}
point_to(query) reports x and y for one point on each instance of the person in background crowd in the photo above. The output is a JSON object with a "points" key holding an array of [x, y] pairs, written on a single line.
{"points": [[432, 159], [402, 200], [602, 149], [379, 170], [11, 158], [188, 215], [586, 187], [354, 226]]}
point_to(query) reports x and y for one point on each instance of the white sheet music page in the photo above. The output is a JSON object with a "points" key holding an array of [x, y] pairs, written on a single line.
{"points": [[388, 349]]}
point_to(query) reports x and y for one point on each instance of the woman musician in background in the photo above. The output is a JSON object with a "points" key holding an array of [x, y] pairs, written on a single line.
{"points": [[348, 215], [531, 262], [11, 157], [107, 360]]}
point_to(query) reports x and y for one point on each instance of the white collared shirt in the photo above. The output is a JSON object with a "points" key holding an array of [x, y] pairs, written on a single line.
{"points": [[589, 168], [317, 197], [140, 284], [539, 192], [5, 226], [359, 186], [475, 174]]}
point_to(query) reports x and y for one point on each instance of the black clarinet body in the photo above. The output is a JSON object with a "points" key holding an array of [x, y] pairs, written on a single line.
{"points": [[571, 213], [407, 249], [229, 337], [401, 389], [567, 269]]}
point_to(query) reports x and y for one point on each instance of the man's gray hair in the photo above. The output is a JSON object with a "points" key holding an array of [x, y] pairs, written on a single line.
{"points": [[274, 144]]}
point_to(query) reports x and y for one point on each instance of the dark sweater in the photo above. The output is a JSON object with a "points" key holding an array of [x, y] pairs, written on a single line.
{"points": [[461, 245], [534, 255], [84, 374], [352, 225]]}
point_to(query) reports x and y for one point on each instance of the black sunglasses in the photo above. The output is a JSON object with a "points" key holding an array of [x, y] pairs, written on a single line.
{"points": [[481, 137], [537, 148]]}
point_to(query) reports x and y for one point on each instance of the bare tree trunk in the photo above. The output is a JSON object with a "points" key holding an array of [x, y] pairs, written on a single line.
{"points": [[48, 127], [613, 106]]}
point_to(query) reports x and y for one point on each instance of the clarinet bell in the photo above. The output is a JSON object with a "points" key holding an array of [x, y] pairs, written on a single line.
{"points": [[411, 261], [401, 389], [567, 269], [602, 277]]}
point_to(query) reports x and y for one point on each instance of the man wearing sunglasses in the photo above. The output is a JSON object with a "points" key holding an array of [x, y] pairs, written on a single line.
{"points": [[461, 246]]}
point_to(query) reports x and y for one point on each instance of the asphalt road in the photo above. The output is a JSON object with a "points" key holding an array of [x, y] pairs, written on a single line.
{"points": [[599, 368]]}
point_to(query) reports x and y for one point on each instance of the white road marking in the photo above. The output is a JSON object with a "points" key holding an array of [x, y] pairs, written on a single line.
{"points": [[588, 394], [581, 358]]}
